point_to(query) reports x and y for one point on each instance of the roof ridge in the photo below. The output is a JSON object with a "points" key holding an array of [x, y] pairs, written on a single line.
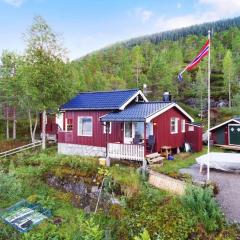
{"points": [[111, 91], [156, 102]]}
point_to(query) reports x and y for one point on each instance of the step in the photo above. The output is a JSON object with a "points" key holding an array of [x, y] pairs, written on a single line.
{"points": [[153, 155], [155, 160]]}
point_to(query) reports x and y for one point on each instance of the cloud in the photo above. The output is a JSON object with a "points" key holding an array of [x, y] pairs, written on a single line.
{"points": [[15, 3], [142, 13], [205, 11]]}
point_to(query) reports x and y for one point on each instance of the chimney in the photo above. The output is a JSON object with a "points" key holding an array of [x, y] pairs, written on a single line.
{"points": [[167, 97]]}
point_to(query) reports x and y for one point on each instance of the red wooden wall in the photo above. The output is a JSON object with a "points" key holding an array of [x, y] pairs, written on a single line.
{"points": [[161, 129], [98, 138], [194, 137]]}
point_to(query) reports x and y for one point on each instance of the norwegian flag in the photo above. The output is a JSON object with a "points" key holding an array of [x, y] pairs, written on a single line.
{"points": [[203, 52]]}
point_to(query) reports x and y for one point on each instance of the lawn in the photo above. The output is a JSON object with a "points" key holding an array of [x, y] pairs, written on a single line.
{"points": [[141, 208], [181, 160]]}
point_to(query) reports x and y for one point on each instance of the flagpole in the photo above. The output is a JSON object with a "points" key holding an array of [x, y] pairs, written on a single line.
{"points": [[209, 104]]}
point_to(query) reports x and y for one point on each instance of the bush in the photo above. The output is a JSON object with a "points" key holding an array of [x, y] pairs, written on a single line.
{"points": [[205, 207], [88, 230], [10, 187]]}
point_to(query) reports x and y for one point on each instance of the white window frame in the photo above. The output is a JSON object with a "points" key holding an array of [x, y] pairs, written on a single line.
{"points": [[176, 125], [183, 126], [66, 125], [85, 135], [104, 128], [191, 128]]}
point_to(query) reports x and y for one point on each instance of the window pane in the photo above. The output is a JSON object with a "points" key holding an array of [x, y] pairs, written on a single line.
{"points": [[139, 129], [85, 126], [149, 129], [128, 129]]}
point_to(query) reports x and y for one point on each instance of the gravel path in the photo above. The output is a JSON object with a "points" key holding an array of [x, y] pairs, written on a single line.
{"points": [[229, 186]]}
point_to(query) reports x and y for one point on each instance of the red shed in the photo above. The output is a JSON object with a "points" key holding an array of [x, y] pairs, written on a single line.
{"points": [[124, 121]]}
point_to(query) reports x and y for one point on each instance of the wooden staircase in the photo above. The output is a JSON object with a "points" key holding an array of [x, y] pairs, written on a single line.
{"points": [[154, 158]]}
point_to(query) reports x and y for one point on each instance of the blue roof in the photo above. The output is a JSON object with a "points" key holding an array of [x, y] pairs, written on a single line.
{"points": [[136, 112], [111, 100]]}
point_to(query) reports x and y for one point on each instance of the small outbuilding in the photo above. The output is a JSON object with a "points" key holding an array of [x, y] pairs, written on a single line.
{"points": [[226, 133]]}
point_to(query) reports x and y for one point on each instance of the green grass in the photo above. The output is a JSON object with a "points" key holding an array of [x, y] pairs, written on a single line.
{"points": [[143, 207], [180, 161]]}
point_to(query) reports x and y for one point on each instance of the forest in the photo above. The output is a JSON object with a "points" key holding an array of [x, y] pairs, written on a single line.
{"points": [[151, 61]]}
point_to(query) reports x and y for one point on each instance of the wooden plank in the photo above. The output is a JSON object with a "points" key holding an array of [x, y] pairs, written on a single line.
{"points": [[229, 147], [155, 160]]}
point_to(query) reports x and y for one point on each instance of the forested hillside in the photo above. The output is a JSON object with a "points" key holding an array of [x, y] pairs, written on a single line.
{"points": [[157, 59]]}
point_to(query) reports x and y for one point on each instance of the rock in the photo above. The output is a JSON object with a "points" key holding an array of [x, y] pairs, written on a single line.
{"points": [[94, 189], [87, 209]]}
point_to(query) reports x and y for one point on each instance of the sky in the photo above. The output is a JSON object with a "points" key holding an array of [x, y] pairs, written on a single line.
{"points": [[89, 25]]}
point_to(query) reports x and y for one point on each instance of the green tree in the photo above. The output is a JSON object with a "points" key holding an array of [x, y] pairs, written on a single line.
{"points": [[160, 77], [48, 80], [137, 62], [228, 70], [9, 87], [200, 87]]}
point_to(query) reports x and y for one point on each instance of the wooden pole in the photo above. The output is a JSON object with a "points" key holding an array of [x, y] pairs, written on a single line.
{"points": [[145, 148], [209, 104]]}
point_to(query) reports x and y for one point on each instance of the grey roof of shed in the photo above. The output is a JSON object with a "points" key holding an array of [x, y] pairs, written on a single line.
{"points": [[235, 120], [136, 112]]}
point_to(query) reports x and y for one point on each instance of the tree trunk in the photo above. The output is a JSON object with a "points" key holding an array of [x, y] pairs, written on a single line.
{"points": [[44, 115], [14, 124], [7, 124], [30, 125], [35, 126]]}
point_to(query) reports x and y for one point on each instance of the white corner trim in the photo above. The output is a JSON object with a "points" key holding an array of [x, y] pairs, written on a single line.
{"points": [[228, 121], [134, 96], [150, 118]]}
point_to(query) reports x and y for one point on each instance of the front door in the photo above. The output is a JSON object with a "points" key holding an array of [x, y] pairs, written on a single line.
{"points": [[234, 134], [128, 132]]}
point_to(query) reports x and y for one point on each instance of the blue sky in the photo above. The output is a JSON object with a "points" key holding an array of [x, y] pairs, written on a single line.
{"points": [[89, 25]]}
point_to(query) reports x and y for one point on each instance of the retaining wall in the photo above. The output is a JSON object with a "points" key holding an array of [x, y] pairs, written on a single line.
{"points": [[166, 183]]}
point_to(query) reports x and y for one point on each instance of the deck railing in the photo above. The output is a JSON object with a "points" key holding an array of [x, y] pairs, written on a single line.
{"points": [[126, 151]]}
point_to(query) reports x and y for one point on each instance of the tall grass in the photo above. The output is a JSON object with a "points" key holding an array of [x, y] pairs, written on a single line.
{"points": [[201, 202]]}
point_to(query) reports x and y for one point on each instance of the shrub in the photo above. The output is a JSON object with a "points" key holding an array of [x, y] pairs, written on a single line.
{"points": [[88, 230], [10, 187], [206, 209], [128, 178], [143, 236]]}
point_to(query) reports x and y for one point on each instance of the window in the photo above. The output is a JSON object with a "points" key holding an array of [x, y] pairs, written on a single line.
{"points": [[191, 128], [109, 125], [149, 129], [174, 125], [183, 125], [139, 129], [85, 126], [69, 124], [128, 130]]}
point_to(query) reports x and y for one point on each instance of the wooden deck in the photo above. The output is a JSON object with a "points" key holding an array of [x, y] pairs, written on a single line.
{"points": [[229, 147]]}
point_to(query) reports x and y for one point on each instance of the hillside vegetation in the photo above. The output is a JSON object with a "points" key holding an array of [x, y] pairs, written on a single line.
{"points": [[157, 59]]}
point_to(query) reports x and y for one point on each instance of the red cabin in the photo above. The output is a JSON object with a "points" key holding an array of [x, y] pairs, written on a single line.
{"points": [[125, 124]]}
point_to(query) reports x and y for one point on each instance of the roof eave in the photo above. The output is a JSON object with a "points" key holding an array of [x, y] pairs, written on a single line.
{"points": [[226, 122], [159, 112], [132, 98]]}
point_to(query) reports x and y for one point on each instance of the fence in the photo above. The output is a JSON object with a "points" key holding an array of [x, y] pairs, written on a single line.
{"points": [[20, 149]]}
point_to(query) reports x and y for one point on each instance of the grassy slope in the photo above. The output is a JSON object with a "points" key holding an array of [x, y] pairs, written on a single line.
{"points": [[145, 207]]}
